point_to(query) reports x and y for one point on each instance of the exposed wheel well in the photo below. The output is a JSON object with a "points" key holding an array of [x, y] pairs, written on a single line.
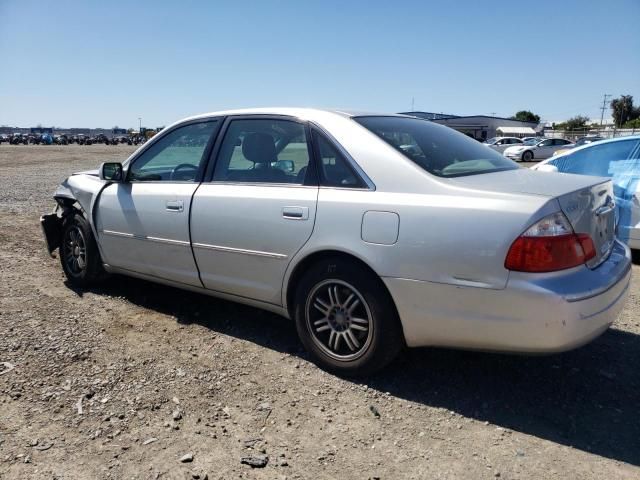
{"points": [[304, 265]]}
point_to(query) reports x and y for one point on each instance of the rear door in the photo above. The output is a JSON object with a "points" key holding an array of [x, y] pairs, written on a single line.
{"points": [[544, 149], [559, 144], [143, 223], [258, 208]]}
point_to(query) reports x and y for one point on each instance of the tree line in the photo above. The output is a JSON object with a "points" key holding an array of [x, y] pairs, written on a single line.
{"points": [[624, 113]]}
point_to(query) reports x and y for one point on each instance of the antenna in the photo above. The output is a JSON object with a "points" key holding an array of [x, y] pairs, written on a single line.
{"points": [[604, 106]]}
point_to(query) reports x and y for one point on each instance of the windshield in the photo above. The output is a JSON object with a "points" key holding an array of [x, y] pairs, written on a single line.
{"points": [[437, 149], [531, 141], [491, 141]]}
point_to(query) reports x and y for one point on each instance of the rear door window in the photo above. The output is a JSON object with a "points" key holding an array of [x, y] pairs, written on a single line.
{"points": [[263, 151]]}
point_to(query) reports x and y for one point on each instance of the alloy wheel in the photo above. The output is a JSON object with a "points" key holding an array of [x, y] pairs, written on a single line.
{"points": [[75, 251], [339, 320]]}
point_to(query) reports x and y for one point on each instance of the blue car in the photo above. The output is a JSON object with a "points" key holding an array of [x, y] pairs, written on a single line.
{"points": [[618, 159]]}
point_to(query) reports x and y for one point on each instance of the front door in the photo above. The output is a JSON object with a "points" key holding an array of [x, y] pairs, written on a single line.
{"points": [[258, 210], [143, 223]]}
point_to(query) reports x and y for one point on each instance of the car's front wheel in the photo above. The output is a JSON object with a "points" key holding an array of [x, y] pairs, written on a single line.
{"points": [[79, 253], [527, 156], [346, 319]]}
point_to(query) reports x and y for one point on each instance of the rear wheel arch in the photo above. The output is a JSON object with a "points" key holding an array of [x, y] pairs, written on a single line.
{"points": [[307, 262]]}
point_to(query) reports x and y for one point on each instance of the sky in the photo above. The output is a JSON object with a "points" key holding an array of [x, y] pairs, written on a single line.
{"points": [[109, 63]]}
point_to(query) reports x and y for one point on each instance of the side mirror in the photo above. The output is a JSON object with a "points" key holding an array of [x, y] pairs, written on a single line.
{"points": [[111, 172], [285, 165], [547, 167]]}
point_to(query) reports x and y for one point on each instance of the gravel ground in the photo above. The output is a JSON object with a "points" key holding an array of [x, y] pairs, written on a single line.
{"points": [[135, 380]]}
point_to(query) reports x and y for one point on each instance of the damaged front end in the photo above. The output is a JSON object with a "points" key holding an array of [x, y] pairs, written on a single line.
{"points": [[76, 193], [51, 226]]}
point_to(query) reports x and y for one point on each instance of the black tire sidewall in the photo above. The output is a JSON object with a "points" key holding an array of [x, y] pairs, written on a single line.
{"points": [[387, 340], [527, 156], [93, 271]]}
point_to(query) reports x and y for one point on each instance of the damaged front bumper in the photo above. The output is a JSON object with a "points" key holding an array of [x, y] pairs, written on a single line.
{"points": [[51, 226]]}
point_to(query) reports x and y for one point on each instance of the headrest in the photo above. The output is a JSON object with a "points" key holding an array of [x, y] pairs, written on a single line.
{"points": [[259, 148]]}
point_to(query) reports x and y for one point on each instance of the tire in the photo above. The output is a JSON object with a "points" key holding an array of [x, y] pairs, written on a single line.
{"points": [[346, 319], [527, 156], [79, 254]]}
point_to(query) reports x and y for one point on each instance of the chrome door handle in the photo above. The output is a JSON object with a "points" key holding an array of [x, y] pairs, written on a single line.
{"points": [[175, 206], [295, 213]]}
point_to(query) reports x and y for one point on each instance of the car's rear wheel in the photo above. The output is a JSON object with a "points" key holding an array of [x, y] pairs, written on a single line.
{"points": [[346, 319], [527, 156], [79, 253]]}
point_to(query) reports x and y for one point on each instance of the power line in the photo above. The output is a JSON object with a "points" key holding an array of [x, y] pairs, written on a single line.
{"points": [[604, 106]]}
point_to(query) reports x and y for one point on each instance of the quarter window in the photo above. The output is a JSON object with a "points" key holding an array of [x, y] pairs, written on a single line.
{"points": [[176, 157], [263, 151], [334, 169]]}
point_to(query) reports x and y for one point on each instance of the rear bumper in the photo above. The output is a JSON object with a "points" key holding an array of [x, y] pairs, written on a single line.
{"points": [[535, 313]]}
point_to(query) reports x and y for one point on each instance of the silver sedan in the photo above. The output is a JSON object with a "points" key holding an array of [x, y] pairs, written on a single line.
{"points": [[536, 149], [372, 232]]}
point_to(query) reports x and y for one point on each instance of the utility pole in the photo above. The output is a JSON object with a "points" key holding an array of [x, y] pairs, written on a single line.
{"points": [[604, 106]]}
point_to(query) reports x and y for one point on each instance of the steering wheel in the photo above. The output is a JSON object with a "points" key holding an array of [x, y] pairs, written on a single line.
{"points": [[184, 166]]}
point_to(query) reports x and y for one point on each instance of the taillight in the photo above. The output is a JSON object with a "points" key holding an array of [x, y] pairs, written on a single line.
{"points": [[548, 246]]}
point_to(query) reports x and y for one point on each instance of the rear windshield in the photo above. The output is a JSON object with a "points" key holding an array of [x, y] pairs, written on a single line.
{"points": [[439, 150]]}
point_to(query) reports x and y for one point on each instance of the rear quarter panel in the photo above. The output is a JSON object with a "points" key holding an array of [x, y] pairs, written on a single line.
{"points": [[459, 237]]}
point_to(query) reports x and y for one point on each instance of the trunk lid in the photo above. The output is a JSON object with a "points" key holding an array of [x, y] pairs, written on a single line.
{"points": [[591, 210], [587, 202]]}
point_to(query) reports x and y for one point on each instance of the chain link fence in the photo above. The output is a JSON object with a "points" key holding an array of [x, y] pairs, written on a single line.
{"points": [[600, 132]]}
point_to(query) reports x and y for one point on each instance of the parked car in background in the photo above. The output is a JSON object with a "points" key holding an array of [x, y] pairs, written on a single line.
{"points": [[618, 159], [580, 142], [60, 139], [116, 140], [328, 218], [82, 139], [4, 138], [536, 150], [499, 144], [18, 138], [101, 138]]}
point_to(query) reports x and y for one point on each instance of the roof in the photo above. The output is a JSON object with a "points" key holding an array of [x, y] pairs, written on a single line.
{"points": [[516, 130], [302, 113]]}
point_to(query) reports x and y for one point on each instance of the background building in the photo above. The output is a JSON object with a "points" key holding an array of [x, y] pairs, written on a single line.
{"points": [[482, 127]]}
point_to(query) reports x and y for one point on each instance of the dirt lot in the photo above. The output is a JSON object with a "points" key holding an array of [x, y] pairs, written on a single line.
{"points": [[125, 380]]}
